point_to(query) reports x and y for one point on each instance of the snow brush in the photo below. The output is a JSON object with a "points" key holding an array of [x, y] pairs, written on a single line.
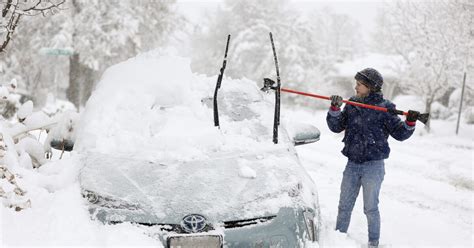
{"points": [[269, 84]]}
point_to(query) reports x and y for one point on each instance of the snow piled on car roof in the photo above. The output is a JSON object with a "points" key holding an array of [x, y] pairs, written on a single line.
{"points": [[154, 106]]}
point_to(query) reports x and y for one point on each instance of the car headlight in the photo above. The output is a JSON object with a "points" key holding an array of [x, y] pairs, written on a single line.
{"points": [[310, 225], [107, 202]]}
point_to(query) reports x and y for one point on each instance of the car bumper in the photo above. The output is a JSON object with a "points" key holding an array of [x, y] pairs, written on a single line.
{"points": [[288, 228]]}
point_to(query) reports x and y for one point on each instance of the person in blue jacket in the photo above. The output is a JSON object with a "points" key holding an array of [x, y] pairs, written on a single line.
{"points": [[366, 147]]}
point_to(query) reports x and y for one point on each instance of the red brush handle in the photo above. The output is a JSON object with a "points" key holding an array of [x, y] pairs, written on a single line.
{"points": [[344, 101]]}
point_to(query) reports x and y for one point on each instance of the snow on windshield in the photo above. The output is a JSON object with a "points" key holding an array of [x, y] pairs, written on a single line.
{"points": [[154, 106]]}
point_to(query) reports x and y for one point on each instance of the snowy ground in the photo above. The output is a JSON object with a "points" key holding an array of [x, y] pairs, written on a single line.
{"points": [[426, 198]]}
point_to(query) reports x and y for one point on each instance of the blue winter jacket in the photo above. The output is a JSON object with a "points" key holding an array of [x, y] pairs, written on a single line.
{"points": [[367, 130]]}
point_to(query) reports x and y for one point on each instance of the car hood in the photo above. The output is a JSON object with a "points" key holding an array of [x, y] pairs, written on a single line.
{"points": [[221, 188]]}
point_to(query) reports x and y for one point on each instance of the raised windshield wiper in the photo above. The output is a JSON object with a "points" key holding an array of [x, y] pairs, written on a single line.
{"points": [[276, 121], [269, 84], [218, 84]]}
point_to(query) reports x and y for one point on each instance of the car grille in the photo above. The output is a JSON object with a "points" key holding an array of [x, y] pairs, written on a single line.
{"points": [[176, 228], [247, 222]]}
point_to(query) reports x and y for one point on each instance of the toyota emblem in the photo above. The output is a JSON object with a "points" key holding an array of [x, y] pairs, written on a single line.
{"points": [[193, 223]]}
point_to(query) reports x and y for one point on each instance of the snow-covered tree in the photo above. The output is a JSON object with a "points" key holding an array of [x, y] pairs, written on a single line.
{"points": [[338, 35], [104, 32], [435, 38], [334, 38], [305, 62], [18, 60], [90, 36], [14, 10], [36, 73], [249, 23]]}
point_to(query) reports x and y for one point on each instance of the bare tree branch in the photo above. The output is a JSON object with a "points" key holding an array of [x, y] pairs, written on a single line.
{"points": [[7, 6], [12, 11]]}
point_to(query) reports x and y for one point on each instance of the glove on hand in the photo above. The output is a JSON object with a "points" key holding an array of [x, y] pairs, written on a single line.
{"points": [[336, 101], [412, 115]]}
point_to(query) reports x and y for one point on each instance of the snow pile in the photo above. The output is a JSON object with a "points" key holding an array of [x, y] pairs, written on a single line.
{"points": [[65, 127], [246, 171], [55, 106], [58, 216], [25, 110], [137, 104], [154, 106]]}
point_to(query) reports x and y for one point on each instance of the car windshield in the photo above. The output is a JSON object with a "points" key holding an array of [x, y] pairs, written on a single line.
{"points": [[155, 107]]}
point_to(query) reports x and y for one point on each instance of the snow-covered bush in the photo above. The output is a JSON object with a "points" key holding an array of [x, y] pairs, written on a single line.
{"points": [[453, 105], [10, 193], [469, 115], [454, 99], [438, 111], [55, 106], [20, 148], [9, 103]]}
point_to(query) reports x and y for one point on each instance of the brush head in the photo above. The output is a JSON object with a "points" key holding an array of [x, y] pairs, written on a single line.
{"points": [[268, 85], [424, 118]]}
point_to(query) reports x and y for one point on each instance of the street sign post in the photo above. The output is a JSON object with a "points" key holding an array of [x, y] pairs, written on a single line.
{"points": [[57, 51]]}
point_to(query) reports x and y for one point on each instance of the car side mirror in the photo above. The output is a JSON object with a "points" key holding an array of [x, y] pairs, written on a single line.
{"points": [[62, 135], [304, 133], [66, 145]]}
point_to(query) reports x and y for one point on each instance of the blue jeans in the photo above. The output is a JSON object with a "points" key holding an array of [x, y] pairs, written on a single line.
{"points": [[369, 175]]}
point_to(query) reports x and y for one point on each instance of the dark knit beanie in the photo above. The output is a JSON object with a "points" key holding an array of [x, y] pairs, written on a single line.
{"points": [[370, 78]]}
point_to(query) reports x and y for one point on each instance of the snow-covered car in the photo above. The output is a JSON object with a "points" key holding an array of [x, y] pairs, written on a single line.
{"points": [[152, 156]]}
